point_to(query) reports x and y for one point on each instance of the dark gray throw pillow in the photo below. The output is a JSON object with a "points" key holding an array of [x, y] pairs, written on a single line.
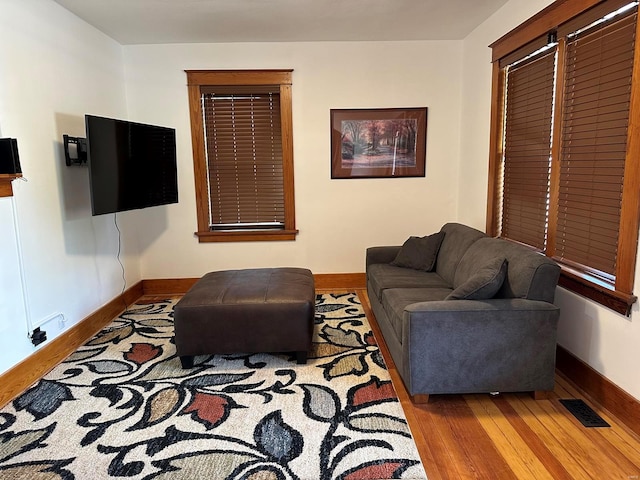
{"points": [[484, 284], [419, 253]]}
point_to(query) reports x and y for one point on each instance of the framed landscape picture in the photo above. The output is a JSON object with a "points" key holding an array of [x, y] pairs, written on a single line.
{"points": [[384, 142]]}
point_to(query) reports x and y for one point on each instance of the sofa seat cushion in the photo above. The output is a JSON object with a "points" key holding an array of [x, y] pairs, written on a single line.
{"points": [[383, 276], [395, 300]]}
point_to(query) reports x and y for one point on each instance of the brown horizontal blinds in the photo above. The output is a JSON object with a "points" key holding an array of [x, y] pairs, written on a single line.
{"points": [[244, 157], [527, 150], [599, 66]]}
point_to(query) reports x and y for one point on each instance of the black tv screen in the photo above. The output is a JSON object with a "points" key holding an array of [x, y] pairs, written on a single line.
{"points": [[131, 165]]}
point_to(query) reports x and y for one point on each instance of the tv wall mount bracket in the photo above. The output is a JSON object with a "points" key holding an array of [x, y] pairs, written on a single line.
{"points": [[75, 150]]}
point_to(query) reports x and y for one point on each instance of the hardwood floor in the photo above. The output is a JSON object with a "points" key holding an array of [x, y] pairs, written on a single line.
{"points": [[513, 436]]}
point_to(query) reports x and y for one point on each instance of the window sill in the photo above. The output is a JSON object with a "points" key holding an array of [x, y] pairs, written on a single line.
{"points": [[244, 236], [580, 284]]}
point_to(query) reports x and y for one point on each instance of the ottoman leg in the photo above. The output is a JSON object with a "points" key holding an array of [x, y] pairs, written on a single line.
{"points": [[301, 357], [187, 361]]}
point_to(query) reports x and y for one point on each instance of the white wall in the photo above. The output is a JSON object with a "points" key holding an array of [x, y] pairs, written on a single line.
{"points": [[337, 219], [605, 340], [54, 69]]}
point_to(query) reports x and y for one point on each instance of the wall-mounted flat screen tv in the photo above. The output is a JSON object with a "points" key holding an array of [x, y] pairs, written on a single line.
{"points": [[131, 165]]}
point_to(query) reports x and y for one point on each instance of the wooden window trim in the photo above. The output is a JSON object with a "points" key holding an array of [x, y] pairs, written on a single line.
{"points": [[582, 285], [540, 24], [197, 78], [621, 297]]}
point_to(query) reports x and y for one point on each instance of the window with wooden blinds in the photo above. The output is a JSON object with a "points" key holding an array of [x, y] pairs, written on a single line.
{"points": [[564, 170], [527, 150], [595, 119], [243, 154], [244, 158]]}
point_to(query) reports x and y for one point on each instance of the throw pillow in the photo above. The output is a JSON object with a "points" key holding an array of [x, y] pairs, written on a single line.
{"points": [[419, 253], [484, 284]]}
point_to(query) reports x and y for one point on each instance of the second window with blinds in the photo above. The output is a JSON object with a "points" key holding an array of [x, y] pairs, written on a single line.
{"points": [[243, 154], [560, 181]]}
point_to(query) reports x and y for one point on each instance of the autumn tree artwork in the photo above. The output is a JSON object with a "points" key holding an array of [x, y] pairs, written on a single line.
{"points": [[384, 143], [387, 142]]}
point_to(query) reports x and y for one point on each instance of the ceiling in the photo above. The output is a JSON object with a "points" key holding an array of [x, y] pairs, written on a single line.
{"points": [[218, 21]]}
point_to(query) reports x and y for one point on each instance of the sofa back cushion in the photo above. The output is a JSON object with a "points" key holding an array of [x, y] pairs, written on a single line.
{"points": [[484, 284], [529, 274], [456, 241], [419, 253]]}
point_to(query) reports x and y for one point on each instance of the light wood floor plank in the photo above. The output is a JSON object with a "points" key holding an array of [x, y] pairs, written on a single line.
{"points": [[484, 458], [607, 441], [621, 437], [578, 442], [564, 432], [532, 431], [598, 439], [545, 435], [514, 449], [446, 440], [446, 462]]}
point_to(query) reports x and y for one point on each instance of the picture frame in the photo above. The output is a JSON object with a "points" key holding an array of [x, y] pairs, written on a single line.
{"points": [[378, 142]]}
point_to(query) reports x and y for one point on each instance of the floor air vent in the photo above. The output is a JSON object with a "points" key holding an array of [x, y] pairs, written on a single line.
{"points": [[584, 413]]}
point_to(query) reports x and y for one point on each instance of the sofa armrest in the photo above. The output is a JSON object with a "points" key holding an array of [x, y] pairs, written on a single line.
{"points": [[463, 346], [385, 254]]}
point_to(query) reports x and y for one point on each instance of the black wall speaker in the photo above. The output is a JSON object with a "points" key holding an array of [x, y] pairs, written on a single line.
{"points": [[9, 158]]}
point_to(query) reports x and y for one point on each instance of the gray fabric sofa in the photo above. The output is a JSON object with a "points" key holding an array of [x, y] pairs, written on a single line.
{"points": [[505, 343]]}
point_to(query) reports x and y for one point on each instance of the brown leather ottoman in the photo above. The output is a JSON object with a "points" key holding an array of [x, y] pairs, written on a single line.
{"points": [[248, 311]]}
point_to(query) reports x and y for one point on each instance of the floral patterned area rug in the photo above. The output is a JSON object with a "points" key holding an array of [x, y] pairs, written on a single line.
{"points": [[122, 407]]}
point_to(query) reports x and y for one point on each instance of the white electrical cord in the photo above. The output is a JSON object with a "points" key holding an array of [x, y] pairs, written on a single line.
{"points": [[25, 294]]}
